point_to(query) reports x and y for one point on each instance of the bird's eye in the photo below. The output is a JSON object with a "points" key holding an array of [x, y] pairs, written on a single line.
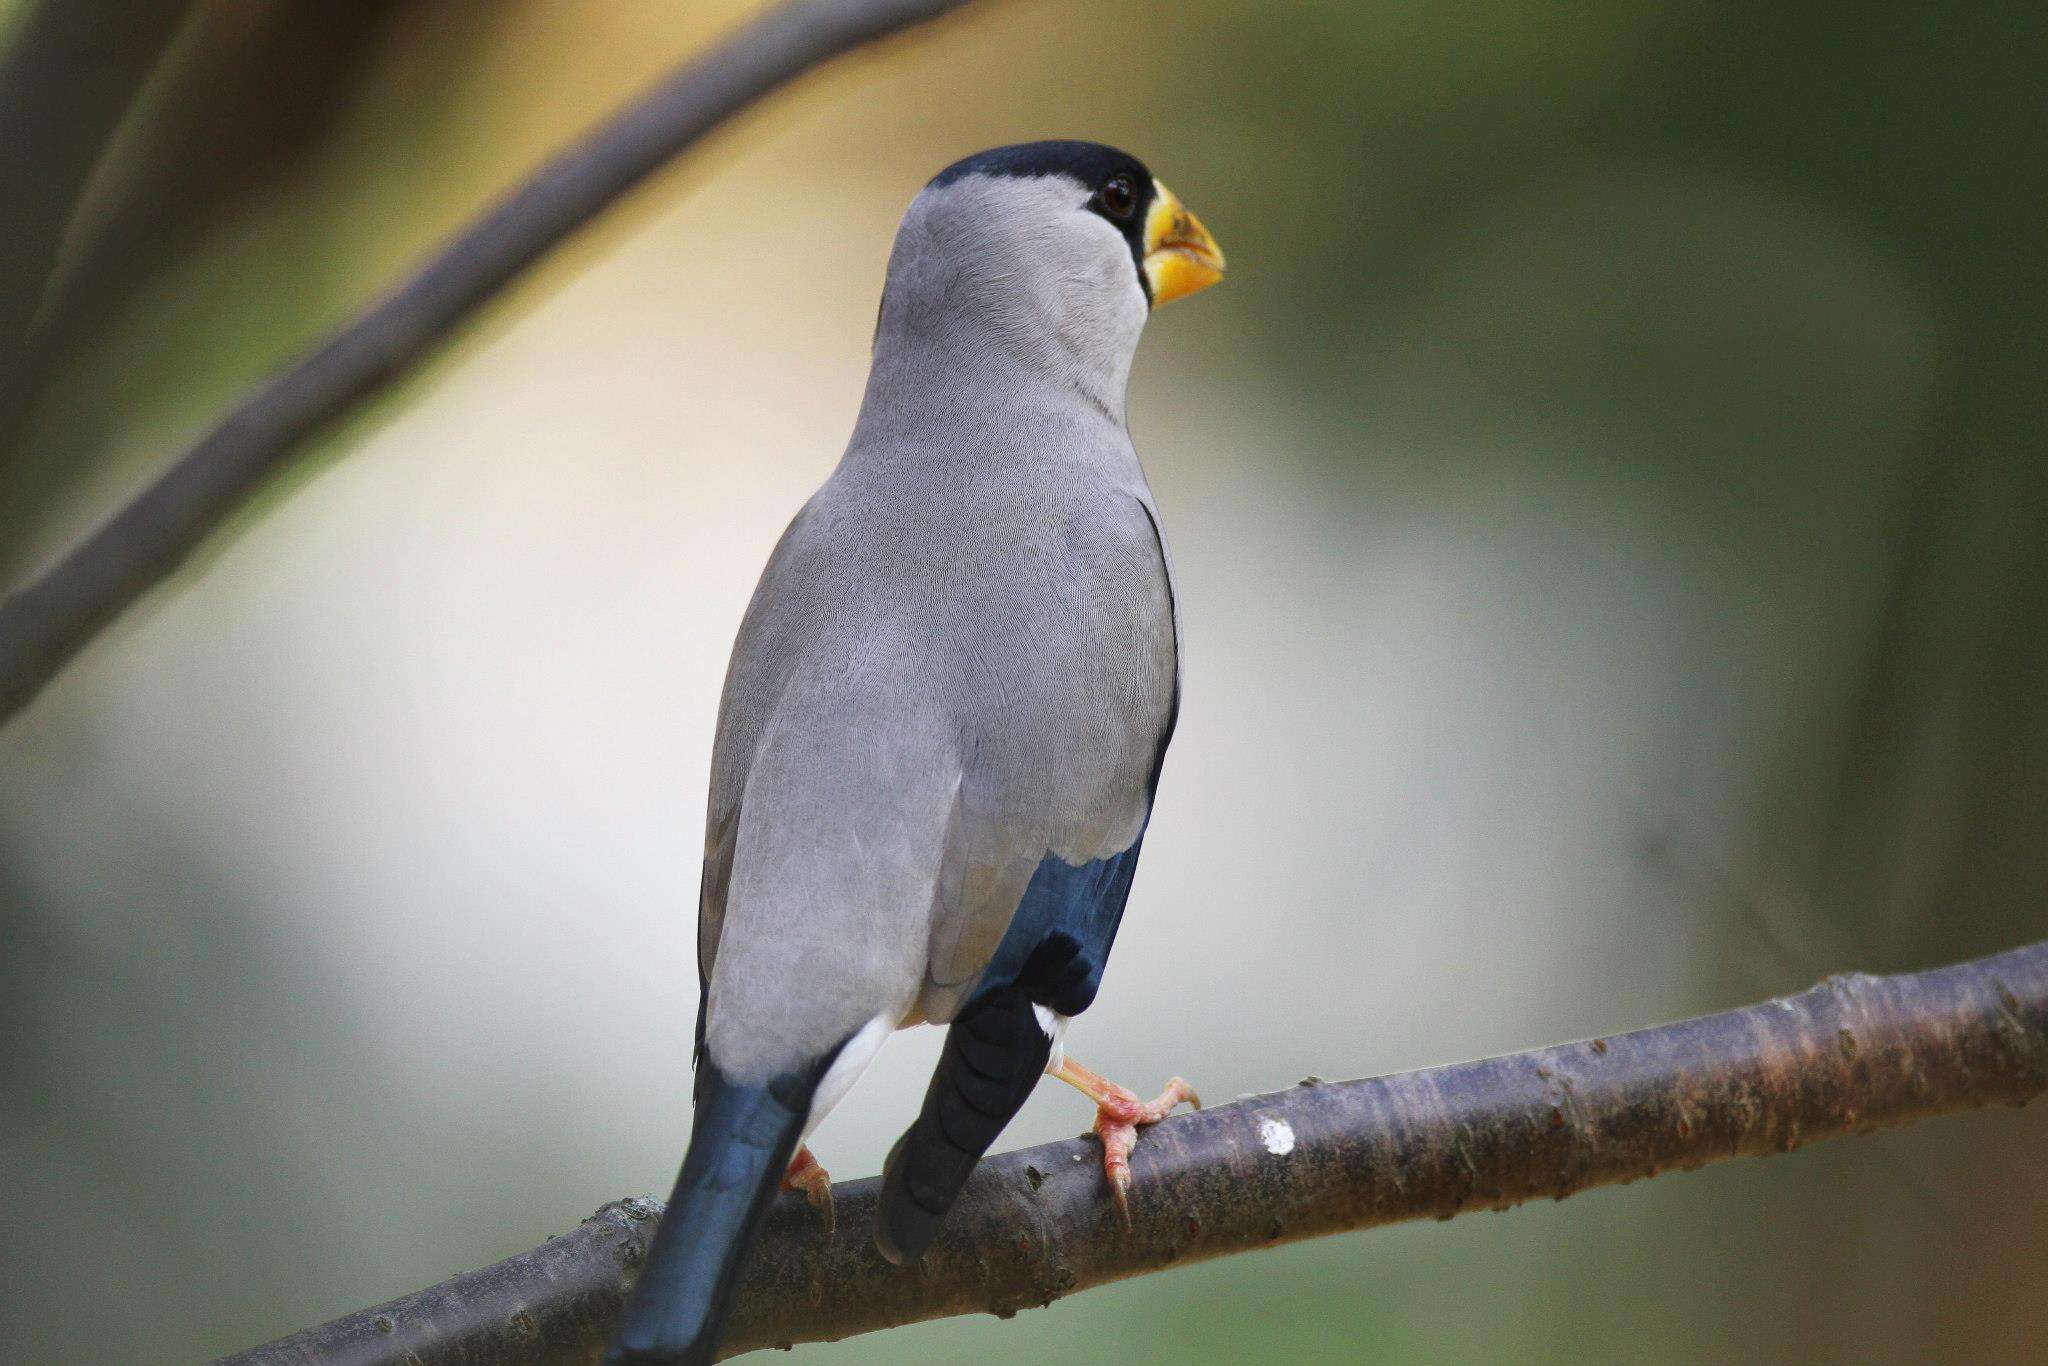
{"points": [[1119, 197]]}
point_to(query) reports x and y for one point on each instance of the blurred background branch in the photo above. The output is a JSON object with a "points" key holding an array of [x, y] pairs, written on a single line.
{"points": [[1853, 1054], [48, 620], [198, 108], [67, 79]]}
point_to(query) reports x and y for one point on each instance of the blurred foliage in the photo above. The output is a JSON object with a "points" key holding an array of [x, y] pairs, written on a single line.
{"points": [[1676, 367]]}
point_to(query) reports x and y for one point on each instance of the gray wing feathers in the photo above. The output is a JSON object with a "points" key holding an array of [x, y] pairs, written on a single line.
{"points": [[1068, 773]]}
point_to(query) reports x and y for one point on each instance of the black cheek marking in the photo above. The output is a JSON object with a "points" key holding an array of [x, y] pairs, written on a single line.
{"points": [[1133, 230]]}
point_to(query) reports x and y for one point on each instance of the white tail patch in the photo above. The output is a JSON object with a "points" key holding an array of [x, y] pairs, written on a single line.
{"points": [[845, 1070], [1054, 1026]]}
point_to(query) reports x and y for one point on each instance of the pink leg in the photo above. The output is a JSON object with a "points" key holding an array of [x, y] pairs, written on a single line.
{"points": [[814, 1181], [1118, 1115]]}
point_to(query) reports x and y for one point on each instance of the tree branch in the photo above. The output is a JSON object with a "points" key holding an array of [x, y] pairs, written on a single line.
{"points": [[44, 624], [1855, 1053]]}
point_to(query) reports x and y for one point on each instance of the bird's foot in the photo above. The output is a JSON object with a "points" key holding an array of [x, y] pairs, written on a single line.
{"points": [[1118, 1116], [814, 1181]]}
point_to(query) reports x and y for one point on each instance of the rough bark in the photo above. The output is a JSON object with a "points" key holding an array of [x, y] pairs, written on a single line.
{"points": [[45, 623], [1853, 1054]]}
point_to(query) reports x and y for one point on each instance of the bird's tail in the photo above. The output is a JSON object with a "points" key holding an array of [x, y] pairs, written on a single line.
{"points": [[739, 1149], [994, 1054]]}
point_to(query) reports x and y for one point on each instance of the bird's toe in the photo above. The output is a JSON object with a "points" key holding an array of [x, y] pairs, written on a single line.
{"points": [[806, 1174]]}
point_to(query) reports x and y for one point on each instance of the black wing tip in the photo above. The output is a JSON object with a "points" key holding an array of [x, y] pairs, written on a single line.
{"points": [[902, 1235], [994, 1054], [924, 1169]]}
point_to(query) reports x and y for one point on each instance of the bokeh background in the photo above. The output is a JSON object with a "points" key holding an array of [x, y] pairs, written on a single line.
{"points": [[1609, 494]]}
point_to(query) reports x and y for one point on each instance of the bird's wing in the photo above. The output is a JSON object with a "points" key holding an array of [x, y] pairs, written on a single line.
{"points": [[1054, 795], [763, 655], [1038, 866], [835, 766]]}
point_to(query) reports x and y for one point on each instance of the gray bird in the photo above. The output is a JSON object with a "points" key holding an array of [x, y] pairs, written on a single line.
{"points": [[943, 723]]}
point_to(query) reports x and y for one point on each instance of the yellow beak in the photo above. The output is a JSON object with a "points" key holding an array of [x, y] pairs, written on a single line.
{"points": [[1180, 255]]}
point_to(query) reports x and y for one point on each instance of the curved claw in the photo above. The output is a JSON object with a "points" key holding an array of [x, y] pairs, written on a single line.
{"points": [[1119, 1115], [1118, 1137], [806, 1175]]}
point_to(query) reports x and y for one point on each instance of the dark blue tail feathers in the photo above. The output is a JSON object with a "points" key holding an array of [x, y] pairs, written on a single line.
{"points": [[994, 1053], [739, 1149]]}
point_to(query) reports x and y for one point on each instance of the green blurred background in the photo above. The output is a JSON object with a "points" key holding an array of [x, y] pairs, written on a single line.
{"points": [[1610, 498]]}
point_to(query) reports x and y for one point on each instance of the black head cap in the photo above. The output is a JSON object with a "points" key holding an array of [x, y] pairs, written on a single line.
{"points": [[1118, 185], [1091, 163]]}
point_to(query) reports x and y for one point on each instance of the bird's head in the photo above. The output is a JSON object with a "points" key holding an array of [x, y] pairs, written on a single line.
{"points": [[1046, 254]]}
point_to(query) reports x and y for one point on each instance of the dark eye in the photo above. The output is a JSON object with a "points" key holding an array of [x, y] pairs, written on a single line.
{"points": [[1119, 197]]}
